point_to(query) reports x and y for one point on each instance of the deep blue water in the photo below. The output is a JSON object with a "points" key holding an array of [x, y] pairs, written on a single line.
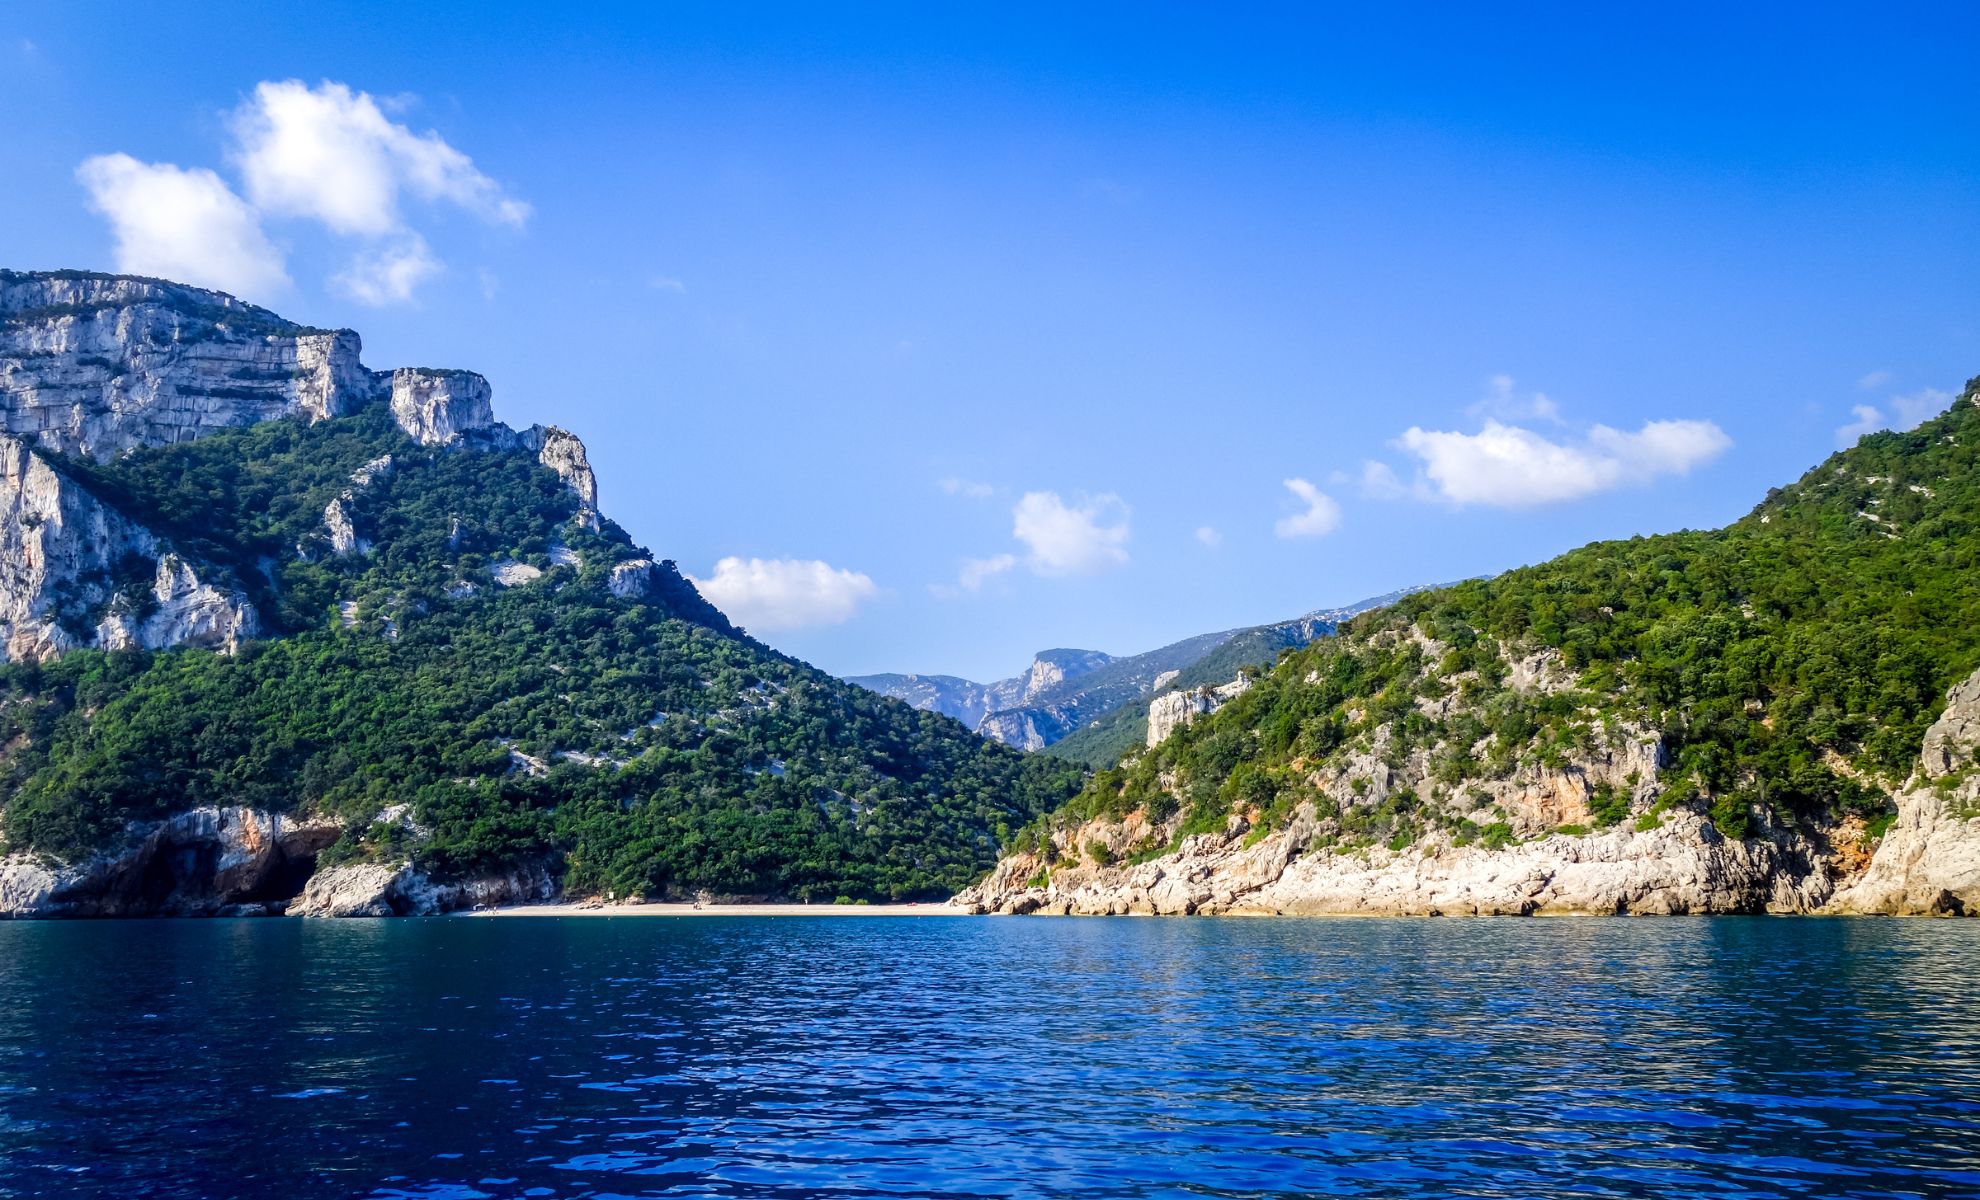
{"points": [[816, 1057]]}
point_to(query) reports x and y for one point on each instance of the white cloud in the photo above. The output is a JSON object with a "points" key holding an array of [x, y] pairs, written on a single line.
{"points": [[1084, 538], [966, 487], [1907, 412], [1321, 516], [1506, 466], [974, 574], [389, 274], [765, 595], [1503, 401], [332, 154], [181, 224], [977, 570], [1379, 481], [1874, 380], [326, 154], [1869, 419], [663, 283], [1209, 536], [1920, 406]]}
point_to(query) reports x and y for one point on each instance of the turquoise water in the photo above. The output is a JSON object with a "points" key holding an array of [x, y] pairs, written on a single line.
{"points": [[949, 1057]]}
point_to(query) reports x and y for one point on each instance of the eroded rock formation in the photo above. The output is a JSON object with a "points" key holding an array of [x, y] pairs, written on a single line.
{"points": [[203, 862], [1659, 860]]}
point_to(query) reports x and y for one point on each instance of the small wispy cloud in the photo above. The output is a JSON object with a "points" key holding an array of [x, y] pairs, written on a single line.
{"points": [[1321, 516], [666, 283], [971, 488], [1874, 380], [388, 274], [1086, 535], [1504, 401], [974, 574], [1900, 413], [1209, 536]]}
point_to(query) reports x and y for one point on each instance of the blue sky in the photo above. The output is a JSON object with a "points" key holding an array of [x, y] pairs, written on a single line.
{"points": [[970, 334]]}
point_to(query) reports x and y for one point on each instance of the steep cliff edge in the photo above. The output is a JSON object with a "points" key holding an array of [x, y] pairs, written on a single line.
{"points": [[1777, 716], [92, 365], [1929, 862], [254, 594]]}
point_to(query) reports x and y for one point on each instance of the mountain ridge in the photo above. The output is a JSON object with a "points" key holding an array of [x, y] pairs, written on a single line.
{"points": [[1034, 710]]}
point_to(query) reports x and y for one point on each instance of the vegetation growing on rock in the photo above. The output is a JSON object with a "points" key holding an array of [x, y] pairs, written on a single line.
{"points": [[1782, 670], [608, 725]]}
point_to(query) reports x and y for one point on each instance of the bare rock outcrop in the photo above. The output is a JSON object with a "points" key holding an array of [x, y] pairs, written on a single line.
{"points": [[1664, 859], [631, 578], [1929, 860], [402, 890], [203, 862], [562, 452], [75, 572], [92, 365], [1680, 866], [436, 407], [1172, 710]]}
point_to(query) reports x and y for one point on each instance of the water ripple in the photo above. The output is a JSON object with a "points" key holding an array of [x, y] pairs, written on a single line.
{"points": [[809, 1057]]}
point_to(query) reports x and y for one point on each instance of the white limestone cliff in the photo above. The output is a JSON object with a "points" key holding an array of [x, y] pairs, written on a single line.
{"points": [[63, 554], [93, 365], [436, 408], [562, 452], [631, 578], [1171, 710]]}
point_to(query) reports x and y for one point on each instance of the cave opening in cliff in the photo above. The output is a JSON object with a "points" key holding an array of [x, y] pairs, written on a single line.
{"points": [[283, 881]]}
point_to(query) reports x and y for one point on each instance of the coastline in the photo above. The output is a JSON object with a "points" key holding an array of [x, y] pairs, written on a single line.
{"points": [[677, 909]]}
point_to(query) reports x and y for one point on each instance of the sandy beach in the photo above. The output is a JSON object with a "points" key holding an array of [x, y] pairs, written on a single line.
{"points": [[719, 910]]}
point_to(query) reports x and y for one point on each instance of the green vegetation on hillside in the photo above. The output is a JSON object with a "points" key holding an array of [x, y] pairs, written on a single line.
{"points": [[1124, 727], [1792, 662], [638, 743]]}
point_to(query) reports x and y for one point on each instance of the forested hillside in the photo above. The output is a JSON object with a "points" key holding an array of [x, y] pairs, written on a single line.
{"points": [[458, 661], [1787, 666]]}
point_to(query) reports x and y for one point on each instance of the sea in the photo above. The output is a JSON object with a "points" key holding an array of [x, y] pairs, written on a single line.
{"points": [[850, 1057]]}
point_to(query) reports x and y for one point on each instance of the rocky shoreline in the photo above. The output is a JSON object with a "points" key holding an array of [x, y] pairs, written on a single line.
{"points": [[1669, 863], [242, 862]]}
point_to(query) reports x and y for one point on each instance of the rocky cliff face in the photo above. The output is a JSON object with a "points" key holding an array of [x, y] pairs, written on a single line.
{"points": [[1929, 861], [978, 705], [92, 365], [1172, 710], [402, 890], [74, 572], [205, 862], [436, 408], [1662, 857]]}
